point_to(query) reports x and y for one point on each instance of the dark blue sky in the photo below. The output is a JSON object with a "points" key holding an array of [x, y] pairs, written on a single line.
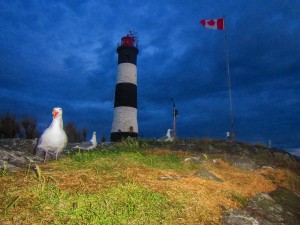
{"points": [[63, 53]]}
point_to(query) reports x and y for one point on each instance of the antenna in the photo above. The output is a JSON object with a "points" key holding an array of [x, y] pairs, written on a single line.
{"points": [[175, 114], [133, 33]]}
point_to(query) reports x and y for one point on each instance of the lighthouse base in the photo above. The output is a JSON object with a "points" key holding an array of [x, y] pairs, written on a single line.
{"points": [[118, 136]]}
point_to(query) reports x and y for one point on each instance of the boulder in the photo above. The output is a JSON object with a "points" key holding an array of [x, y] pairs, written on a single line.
{"points": [[280, 207], [207, 175], [238, 217]]}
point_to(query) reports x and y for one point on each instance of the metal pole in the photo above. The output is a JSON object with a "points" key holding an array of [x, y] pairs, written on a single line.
{"points": [[232, 131], [174, 119]]}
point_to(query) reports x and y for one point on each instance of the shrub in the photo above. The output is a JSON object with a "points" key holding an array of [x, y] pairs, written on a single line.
{"points": [[72, 133], [9, 126], [29, 125]]}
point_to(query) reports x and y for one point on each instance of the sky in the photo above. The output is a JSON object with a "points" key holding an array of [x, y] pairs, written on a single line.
{"points": [[63, 53]]}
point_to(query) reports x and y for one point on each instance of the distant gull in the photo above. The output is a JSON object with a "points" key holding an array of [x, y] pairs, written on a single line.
{"points": [[167, 137], [54, 138], [88, 145]]}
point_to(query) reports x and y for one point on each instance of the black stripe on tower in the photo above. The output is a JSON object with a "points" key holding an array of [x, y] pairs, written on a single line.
{"points": [[126, 95], [118, 136], [127, 54]]}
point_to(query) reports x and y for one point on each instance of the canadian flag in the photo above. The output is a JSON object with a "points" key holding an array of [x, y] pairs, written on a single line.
{"points": [[216, 24]]}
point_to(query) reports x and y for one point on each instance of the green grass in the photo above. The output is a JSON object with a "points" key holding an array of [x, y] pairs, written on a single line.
{"points": [[128, 203], [169, 161], [165, 162], [243, 201], [132, 151], [117, 158], [3, 171], [123, 204]]}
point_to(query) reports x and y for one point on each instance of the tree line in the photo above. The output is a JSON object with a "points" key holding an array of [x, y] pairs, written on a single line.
{"points": [[26, 127]]}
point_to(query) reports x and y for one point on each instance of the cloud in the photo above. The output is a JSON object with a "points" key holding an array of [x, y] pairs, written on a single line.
{"points": [[64, 53]]}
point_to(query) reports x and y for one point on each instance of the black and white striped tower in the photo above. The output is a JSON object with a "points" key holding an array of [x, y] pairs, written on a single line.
{"points": [[125, 107]]}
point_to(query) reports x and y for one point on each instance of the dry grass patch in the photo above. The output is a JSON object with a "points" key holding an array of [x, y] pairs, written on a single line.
{"points": [[246, 183], [282, 178], [205, 200]]}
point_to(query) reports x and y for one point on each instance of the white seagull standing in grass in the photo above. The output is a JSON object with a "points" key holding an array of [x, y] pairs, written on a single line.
{"points": [[167, 137], [54, 138], [88, 145]]}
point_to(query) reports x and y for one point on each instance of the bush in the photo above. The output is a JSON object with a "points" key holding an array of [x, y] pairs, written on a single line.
{"points": [[9, 126], [72, 133], [29, 125]]}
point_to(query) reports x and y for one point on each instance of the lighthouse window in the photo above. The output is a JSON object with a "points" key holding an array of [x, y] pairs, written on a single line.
{"points": [[127, 58]]}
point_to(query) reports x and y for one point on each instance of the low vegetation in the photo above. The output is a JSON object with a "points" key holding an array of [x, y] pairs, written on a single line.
{"points": [[131, 183]]}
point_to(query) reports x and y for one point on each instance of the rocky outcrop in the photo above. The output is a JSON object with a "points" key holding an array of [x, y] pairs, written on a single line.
{"points": [[240, 154], [280, 207], [18, 144], [17, 153]]}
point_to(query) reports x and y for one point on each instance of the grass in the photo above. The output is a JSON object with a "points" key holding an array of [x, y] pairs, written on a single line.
{"points": [[121, 184], [127, 203], [3, 171], [240, 199]]}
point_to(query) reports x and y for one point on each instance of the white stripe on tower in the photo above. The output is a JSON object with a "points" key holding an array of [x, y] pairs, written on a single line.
{"points": [[127, 73], [123, 117]]}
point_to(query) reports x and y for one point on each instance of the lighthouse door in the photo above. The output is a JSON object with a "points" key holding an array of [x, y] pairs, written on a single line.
{"points": [[131, 129]]}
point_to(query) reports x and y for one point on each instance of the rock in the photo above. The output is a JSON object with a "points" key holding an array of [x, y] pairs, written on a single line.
{"points": [[168, 177], [280, 207], [263, 206], [193, 159], [17, 153], [290, 202], [20, 162], [243, 163], [266, 166], [5, 166], [207, 175], [17, 144], [4, 155], [239, 217]]}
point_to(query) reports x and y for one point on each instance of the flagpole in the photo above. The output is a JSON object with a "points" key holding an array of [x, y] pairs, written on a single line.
{"points": [[232, 131]]}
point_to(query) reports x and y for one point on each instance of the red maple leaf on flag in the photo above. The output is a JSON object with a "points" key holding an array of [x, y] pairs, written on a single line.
{"points": [[211, 22]]}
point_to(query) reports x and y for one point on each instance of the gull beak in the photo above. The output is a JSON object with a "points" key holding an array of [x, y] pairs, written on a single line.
{"points": [[55, 114]]}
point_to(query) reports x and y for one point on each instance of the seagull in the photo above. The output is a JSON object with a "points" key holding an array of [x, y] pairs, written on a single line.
{"points": [[88, 145], [167, 137], [54, 138]]}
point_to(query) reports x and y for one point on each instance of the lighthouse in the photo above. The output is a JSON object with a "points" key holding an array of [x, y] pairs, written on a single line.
{"points": [[125, 106]]}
